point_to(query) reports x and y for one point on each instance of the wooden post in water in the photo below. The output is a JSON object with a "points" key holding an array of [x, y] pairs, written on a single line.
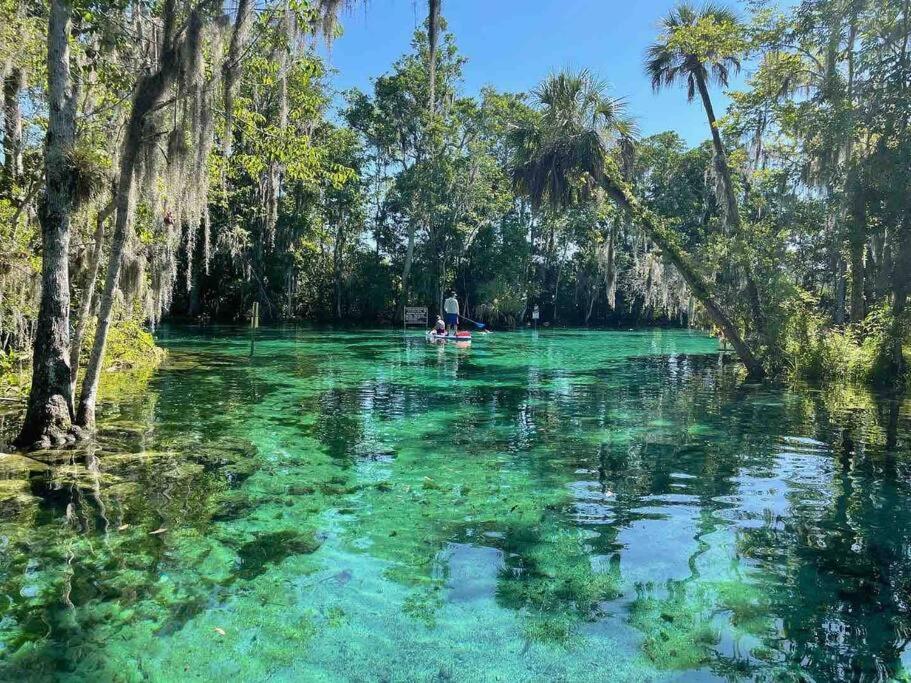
{"points": [[254, 323]]}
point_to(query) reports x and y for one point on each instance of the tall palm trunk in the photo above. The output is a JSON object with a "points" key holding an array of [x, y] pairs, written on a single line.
{"points": [[731, 209], [732, 214], [701, 289], [148, 95], [48, 418], [433, 36]]}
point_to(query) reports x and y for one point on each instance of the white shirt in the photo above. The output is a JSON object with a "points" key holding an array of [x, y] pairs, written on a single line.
{"points": [[451, 305]]}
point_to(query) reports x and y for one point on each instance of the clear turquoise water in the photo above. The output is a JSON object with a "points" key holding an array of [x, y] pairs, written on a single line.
{"points": [[366, 506]]}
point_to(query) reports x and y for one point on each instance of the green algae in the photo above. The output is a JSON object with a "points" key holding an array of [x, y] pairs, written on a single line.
{"points": [[556, 506], [257, 555]]}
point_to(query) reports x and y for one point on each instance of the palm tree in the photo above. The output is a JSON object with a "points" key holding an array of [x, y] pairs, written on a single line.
{"points": [[567, 156], [671, 61], [693, 49], [433, 36]]}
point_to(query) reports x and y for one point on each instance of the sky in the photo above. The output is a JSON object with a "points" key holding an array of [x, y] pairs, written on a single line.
{"points": [[513, 44]]}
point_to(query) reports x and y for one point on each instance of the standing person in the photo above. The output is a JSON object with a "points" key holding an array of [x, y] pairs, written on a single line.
{"points": [[535, 315], [451, 311]]}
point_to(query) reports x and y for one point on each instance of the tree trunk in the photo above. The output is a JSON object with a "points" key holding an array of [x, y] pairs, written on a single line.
{"points": [[884, 265], [194, 305], [231, 69], [857, 239], [433, 36], [610, 273], [48, 417], [592, 297], [150, 91], [731, 211], [337, 271], [700, 288], [901, 272], [869, 278], [86, 413], [12, 124], [557, 282], [88, 295], [406, 270], [839, 290]]}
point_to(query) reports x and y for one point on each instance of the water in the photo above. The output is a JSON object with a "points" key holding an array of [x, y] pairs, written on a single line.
{"points": [[363, 506]]}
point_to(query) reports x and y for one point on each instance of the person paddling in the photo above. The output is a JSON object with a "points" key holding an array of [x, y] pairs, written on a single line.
{"points": [[451, 311]]}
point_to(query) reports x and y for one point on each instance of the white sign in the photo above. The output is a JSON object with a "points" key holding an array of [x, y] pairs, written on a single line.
{"points": [[535, 314], [415, 315]]}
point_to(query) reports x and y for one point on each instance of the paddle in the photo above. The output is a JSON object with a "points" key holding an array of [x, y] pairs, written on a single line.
{"points": [[480, 326]]}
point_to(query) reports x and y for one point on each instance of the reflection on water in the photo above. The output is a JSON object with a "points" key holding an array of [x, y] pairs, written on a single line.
{"points": [[363, 506]]}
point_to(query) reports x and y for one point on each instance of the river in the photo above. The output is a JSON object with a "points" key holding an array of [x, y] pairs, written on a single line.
{"points": [[563, 505]]}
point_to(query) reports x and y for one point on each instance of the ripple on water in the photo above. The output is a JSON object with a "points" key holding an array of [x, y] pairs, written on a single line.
{"points": [[568, 505]]}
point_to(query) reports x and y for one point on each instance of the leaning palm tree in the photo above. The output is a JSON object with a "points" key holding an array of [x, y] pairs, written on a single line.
{"points": [[568, 156], [690, 52]]}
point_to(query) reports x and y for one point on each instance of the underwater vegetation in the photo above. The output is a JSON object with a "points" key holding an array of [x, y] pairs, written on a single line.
{"points": [[363, 506]]}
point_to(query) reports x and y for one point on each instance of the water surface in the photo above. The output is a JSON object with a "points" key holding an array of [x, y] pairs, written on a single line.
{"points": [[557, 506]]}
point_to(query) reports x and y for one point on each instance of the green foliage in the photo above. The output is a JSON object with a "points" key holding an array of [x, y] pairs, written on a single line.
{"points": [[696, 44], [815, 352], [130, 361], [131, 346], [15, 374], [711, 37]]}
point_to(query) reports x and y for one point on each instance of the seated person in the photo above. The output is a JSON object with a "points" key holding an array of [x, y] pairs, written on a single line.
{"points": [[440, 327]]}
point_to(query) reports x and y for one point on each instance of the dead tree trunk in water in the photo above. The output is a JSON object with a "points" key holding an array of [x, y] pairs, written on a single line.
{"points": [[48, 418]]}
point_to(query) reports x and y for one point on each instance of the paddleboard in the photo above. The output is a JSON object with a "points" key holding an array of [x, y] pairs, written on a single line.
{"points": [[460, 337]]}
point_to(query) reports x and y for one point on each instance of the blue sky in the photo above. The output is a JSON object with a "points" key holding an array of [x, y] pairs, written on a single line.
{"points": [[513, 44]]}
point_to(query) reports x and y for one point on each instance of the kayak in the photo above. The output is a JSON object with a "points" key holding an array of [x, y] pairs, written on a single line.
{"points": [[457, 337]]}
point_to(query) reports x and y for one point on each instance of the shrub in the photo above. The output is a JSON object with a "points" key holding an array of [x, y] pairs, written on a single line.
{"points": [[856, 353]]}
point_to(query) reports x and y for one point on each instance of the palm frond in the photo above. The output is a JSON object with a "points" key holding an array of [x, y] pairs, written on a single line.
{"points": [[561, 160], [666, 65]]}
